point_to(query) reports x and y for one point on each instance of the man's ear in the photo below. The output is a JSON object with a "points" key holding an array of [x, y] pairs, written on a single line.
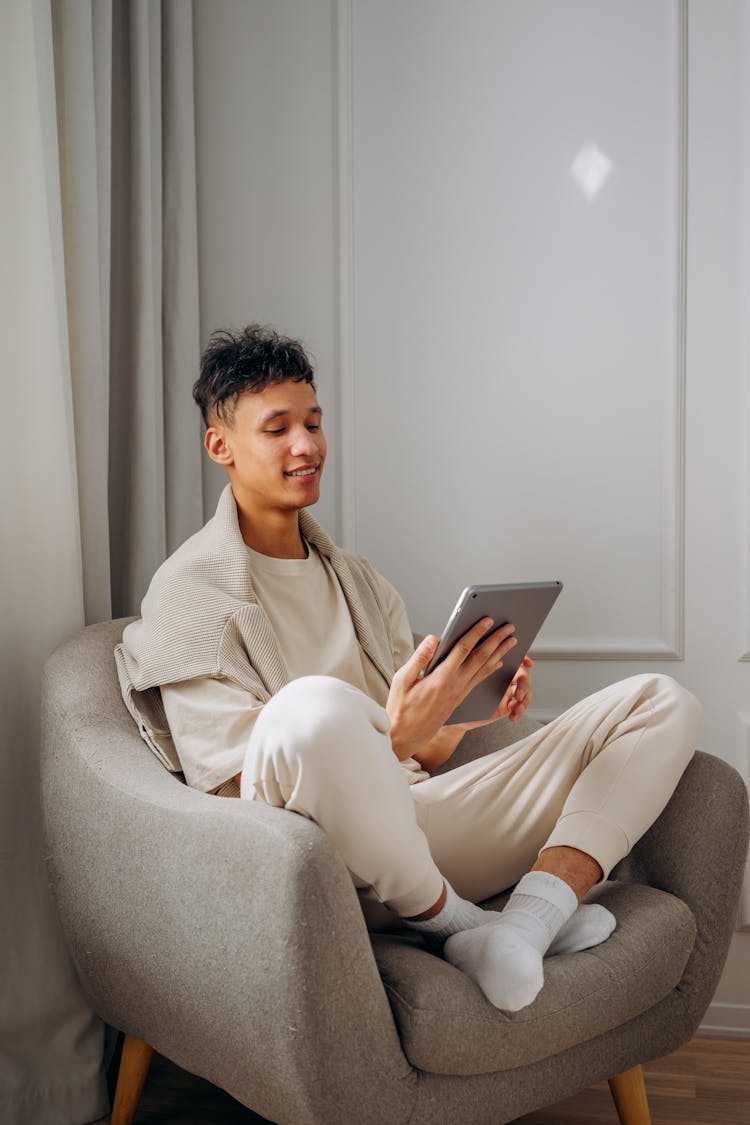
{"points": [[217, 447]]}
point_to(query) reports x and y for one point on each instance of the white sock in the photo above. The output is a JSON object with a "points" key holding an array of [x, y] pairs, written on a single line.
{"points": [[589, 926], [504, 957], [455, 915]]}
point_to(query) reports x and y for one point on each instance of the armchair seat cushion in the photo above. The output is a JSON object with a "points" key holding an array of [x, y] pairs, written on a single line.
{"points": [[447, 1026]]}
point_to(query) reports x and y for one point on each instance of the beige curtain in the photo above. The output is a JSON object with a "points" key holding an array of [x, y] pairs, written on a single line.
{"points": [[100, 457]]}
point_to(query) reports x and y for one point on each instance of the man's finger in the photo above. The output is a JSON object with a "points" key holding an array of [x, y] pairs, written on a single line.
{"points": [[419, 659], [486, 649], [466, 644]]}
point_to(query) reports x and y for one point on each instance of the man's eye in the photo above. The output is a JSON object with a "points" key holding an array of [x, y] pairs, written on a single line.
{"points": [[312, 427], [280, 431]]}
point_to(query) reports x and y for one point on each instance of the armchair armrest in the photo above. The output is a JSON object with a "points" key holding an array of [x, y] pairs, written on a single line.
{"points": [[225, 933], [697, 850]]}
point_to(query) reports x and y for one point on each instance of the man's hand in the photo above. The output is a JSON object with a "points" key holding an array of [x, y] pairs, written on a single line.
{"points": [[513, 704], [418, 705], [518, 696]]}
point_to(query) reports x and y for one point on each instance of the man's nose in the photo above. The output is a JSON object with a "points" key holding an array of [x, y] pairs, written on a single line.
{"points": [[303, 442]]}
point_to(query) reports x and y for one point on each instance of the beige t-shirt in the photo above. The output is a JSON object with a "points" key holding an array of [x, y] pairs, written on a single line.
{"points": [[211, 719]]}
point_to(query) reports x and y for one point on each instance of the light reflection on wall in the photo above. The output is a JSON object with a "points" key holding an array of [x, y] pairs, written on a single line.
{"points": [[590, 170]]}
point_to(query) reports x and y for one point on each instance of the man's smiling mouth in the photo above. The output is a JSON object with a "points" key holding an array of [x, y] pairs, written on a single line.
{"points": [[310, 471]]}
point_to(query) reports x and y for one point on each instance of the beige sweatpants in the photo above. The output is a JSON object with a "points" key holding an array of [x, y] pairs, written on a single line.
{"points": [[594, 779]]}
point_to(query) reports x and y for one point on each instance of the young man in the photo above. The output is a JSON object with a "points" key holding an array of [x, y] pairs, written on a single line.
{"points": [[269, 659]]}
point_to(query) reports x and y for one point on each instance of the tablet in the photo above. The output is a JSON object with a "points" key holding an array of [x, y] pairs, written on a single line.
{"points": [[525, 605]]}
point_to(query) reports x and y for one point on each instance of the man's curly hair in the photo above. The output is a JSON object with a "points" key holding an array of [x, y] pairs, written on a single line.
{"points": [[248, 360]]}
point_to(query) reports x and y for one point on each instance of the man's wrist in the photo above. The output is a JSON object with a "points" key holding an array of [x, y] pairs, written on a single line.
{"points": [[405, 750], [439, 748]]}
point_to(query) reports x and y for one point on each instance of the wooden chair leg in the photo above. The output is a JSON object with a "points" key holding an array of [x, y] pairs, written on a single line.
{"points": [[629, 1094], [134, 1064]]}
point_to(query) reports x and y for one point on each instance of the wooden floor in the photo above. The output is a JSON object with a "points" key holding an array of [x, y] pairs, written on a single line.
{"points": [[707, 1082]]}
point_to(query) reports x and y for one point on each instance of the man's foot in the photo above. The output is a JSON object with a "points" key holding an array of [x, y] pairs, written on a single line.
{"points": [[498, 958], [589, 926], [504, 957]]}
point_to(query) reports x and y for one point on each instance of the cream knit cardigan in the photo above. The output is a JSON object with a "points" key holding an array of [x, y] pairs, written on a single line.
{"points": [[200, 617]]}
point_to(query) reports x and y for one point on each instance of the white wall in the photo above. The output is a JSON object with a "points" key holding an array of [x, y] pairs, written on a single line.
{"points": [[532, 379], [265, 77]]}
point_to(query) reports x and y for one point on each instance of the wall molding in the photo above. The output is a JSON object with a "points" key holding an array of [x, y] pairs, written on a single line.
{"points": [[744, 350], [667, 646], [670, 646], [344, 224], [676, 634], [727, 1019], [743, 768], [569, 648]]}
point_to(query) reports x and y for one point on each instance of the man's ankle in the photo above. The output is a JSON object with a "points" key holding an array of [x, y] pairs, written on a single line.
{"points": [[576, 868], [431, 910]]}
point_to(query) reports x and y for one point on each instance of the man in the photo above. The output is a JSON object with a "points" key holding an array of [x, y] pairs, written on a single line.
{"points": [[269, 659]]}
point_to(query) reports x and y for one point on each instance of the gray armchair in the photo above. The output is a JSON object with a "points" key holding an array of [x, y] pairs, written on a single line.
{"points": [[227, 935]]}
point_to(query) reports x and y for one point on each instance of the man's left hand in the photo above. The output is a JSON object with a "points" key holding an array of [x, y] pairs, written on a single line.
{"points": [[515, 701], [518, 696]]}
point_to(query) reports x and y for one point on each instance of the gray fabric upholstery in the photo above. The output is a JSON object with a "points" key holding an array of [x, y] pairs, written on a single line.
{"points": [[447, 1026], [228, 935]]}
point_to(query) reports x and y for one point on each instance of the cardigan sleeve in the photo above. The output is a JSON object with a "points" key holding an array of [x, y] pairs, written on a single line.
{"points": [[401, 634], [211, 721]]}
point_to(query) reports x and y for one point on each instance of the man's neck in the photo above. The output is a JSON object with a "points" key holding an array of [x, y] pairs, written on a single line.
{"points": [[276, 534]]}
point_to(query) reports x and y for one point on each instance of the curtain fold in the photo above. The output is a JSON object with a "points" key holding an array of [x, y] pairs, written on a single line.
{"points": [[181, 344], [100, 463], [136, 480], [83, 81]]}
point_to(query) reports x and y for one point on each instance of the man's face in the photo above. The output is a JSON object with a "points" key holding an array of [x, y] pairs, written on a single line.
{"points": [[273, 448]]}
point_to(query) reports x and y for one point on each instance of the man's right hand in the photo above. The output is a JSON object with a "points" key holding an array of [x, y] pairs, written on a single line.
{"points": [[419, 705]]}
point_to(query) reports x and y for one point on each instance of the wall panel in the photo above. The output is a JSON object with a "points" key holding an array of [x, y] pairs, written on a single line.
{"points": [[517, 319]]}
